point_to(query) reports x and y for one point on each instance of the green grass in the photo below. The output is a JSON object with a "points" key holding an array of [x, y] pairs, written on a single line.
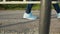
{"points": [[19, 7], [35, 7]]}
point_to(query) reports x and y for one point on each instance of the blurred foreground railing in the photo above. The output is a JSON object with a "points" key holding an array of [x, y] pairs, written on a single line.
{"points": [[24, 2]]}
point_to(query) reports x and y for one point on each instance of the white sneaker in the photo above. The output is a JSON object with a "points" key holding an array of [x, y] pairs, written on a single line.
{"points": [[29, 16], [58, 15]]}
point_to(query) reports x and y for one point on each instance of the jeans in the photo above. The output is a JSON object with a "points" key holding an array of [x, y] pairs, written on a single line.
{"points": [[29, 7], [56, 7]]}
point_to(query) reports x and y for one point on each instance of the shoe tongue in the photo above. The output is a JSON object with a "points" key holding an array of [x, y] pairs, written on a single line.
{"points": [[31, 14]]}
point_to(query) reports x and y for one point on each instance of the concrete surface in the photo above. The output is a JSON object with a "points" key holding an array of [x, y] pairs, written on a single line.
{"points": [[13, 23]]}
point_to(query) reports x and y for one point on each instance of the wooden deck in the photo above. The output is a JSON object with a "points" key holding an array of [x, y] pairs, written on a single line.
{"points": [[13, 23]]}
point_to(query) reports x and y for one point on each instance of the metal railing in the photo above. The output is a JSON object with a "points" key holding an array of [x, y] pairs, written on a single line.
{"points": [[23, 2]]}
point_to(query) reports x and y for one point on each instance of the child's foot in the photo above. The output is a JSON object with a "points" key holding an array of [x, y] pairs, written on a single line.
{"points": [[58, 15], [29, 16]]}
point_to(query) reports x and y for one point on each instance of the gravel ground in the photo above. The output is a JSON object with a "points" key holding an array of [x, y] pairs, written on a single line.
{"points": [[13, 23]]}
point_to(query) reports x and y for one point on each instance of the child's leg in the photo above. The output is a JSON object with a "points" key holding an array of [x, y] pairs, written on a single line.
{"points": [[29, 7], [28, 14], [56, 7]]}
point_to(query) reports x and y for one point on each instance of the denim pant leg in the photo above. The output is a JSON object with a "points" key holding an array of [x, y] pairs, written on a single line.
{"points": [[29, 7], [56, 7]]}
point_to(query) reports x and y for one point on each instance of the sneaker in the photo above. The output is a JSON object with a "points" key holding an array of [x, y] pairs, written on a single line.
{"points": [[58, 15], [29, 16]]}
